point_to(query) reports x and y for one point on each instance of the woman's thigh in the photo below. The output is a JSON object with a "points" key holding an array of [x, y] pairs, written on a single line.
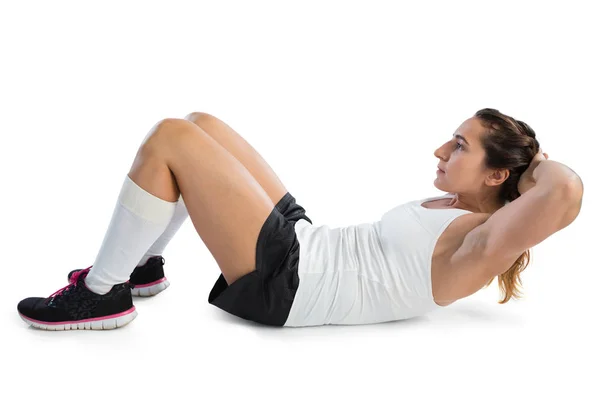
{"points": [[243, 151], [227, 206]]}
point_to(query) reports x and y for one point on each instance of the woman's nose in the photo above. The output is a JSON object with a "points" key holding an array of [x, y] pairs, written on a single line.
{"points": [[439, 154]]}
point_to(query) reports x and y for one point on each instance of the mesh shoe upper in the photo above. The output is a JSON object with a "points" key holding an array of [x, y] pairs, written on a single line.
{"points": [[152, 271], [76, 302]]}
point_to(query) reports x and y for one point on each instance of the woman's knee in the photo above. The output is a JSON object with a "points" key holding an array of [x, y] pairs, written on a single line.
{"points": [[166, 131]]}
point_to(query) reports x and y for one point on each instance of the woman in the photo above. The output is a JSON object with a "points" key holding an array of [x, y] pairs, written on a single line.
{"points": [[503, 197]]}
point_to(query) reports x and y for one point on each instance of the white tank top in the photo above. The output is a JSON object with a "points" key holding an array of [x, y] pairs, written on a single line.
{"points": [[371, 272]]}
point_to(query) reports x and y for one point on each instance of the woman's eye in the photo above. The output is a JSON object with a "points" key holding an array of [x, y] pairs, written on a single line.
{"points": [[458, 145]]}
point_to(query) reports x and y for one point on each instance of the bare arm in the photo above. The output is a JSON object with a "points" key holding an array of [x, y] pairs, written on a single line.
{"points": [[546, 208]]}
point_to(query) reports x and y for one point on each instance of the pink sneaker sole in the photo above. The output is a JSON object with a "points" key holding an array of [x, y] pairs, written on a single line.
{"points": [[104, 323]]}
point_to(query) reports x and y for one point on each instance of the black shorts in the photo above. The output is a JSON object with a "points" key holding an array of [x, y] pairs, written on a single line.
{"points": [[265, 295]]}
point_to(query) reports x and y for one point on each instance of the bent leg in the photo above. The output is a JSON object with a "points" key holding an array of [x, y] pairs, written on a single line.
{"points": [[227, 206]]}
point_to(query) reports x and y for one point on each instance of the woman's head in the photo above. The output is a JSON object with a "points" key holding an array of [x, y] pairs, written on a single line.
{"points": [[483, 163], [485, 158]]}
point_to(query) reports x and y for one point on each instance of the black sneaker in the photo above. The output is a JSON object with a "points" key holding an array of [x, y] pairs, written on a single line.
{"points": [[145, 280], [77, 307]]}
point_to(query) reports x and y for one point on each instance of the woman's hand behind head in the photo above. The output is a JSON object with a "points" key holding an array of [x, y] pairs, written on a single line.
{"points": [[526, 181]]}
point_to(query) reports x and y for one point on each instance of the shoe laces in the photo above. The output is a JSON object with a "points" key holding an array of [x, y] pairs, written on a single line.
{"points": [[73, 282]]}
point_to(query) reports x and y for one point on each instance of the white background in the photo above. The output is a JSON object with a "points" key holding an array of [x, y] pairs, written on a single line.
{"points": [[347, 101]]}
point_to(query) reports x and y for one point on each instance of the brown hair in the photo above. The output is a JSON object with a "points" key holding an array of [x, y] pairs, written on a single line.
{"points": [[508, 144]]}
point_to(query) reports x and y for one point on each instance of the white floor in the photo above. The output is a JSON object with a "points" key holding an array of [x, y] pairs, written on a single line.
{"points": [[179, 346]]}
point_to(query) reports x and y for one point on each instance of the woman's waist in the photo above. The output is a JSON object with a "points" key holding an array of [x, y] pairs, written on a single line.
{"points": [[354, 248]]}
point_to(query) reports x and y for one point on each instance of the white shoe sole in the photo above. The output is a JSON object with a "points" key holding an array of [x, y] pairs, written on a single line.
{"points": [[150, 289]]}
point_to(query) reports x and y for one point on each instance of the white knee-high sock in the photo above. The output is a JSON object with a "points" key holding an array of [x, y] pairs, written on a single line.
{"points": [[161, 243], [138, 220]]}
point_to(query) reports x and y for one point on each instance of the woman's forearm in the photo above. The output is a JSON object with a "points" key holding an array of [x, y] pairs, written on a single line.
{"points": [[554, 176], [551, 173]]}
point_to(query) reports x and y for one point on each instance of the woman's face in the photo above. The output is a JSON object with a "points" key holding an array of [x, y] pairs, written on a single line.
{"points": [[461, 157]]}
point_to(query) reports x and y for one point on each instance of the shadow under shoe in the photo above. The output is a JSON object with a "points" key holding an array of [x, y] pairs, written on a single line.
{"points": [[145, 280], [76, 307]]}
